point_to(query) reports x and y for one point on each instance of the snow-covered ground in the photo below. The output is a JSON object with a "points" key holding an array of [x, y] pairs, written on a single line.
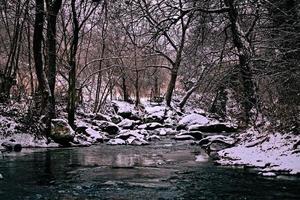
{"points": [[271, 152]]}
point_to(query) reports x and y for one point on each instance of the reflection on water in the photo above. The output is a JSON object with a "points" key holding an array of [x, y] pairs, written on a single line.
{"points": [[124, 172]]}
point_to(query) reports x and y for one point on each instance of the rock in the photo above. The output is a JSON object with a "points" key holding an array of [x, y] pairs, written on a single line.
{"points": [[192, 119], [136, 141], [61, 132], [162, 132], [209, 139], [123, 108], [94, 136], [213, 128], [214, 155], [127, 124], [102, 117], [153, 138], [81, 129], [267, 174], [109, 127], [150, 126], [183, 137], [218, 145], [116, 119], [195, 134], [1, 176], [155, 114], [128, 134], [117, 141]]}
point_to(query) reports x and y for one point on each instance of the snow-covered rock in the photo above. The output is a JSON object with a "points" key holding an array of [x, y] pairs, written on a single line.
{"points": [[127, 124], [155, 114], [116, 141], [136, 141], [123, 108], [150, 126], [192, 119], [94, 136], [126, 134], [61, 131], [153, 138]]}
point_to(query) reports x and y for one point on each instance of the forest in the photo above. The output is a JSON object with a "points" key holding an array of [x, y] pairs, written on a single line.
{"points": [[143, 86]]}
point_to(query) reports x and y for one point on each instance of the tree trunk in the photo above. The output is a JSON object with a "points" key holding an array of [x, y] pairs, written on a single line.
{"points": [[53, 8], [172, 84], [239, 41], [37, 53], [72, 64]]}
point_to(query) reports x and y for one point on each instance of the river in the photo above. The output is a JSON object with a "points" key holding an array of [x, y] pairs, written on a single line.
{"points": [[164, 170]]}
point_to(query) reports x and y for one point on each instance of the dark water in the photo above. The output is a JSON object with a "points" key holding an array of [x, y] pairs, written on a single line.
{"points": [[162, 171]]}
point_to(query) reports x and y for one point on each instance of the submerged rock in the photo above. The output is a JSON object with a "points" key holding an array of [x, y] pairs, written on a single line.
{"points": [[61, 132]]}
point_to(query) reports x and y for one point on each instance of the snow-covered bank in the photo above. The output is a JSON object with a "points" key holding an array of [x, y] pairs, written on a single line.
{"points": [[272, 153]]}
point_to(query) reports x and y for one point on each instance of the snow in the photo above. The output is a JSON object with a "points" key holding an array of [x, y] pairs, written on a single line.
{"points": [[193, 119], [124, 107], [274, 153]]}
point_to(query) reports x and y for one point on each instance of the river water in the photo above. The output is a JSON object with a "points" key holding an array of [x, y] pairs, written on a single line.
{"points": [[164, 170]]}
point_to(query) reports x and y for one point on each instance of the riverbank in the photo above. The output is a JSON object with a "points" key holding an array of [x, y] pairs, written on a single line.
{"points": [[271, 153]]}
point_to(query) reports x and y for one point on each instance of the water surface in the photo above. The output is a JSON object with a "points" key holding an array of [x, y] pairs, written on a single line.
{"points": [[165, 170]]}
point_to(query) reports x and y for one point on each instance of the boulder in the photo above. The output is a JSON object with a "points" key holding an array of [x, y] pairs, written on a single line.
{"points": [[61, 132], [109, 127]]}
